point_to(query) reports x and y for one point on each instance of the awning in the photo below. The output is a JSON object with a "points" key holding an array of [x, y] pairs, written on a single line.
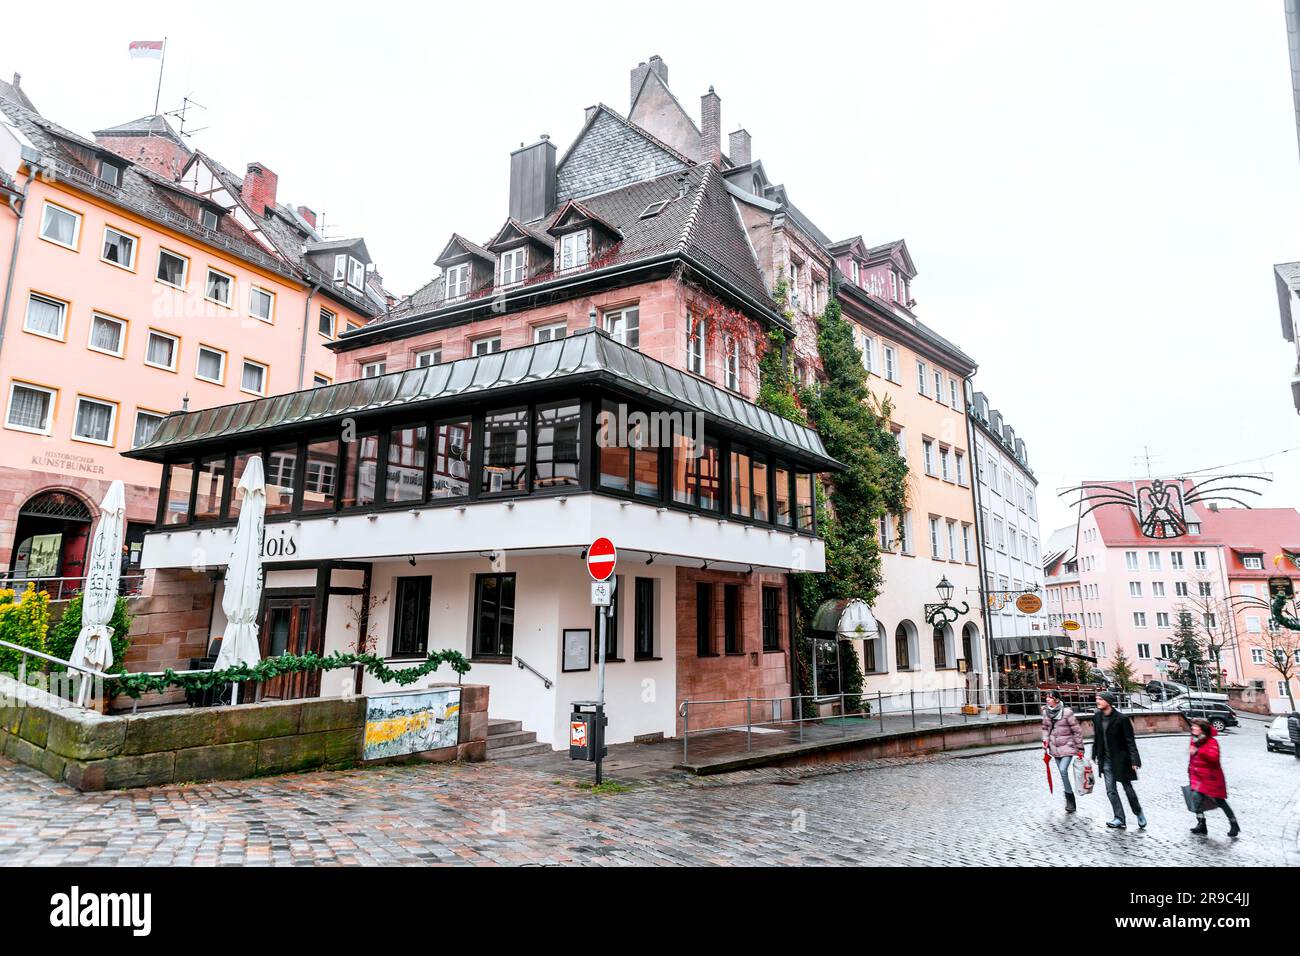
{"points": [[1003, 646], [584, 356]]}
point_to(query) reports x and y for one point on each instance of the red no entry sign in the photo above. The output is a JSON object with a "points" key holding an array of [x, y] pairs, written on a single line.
{"points": [[601, 558]]}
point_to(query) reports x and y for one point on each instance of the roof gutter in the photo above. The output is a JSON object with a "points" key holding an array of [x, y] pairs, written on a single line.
{"points": [[18, 204], [385, 331]]}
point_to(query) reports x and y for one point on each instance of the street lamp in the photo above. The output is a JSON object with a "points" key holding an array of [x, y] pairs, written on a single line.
{"points": [[937, 615]]}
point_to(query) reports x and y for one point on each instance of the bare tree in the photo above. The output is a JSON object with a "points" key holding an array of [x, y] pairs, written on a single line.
{"points": [[1281, 646], [1205, 620]]}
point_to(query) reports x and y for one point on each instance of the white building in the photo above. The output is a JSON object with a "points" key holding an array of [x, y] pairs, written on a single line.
{"points": [[1006, 496]]}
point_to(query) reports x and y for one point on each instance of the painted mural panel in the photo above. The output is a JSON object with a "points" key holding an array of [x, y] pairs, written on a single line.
{"points": [[411, 723]]}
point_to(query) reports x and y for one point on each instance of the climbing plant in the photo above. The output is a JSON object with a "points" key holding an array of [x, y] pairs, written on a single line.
{"points": [[854, 426]]}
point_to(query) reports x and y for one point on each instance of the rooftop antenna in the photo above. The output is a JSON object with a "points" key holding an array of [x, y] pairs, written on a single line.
{"points": [[1145, 458], [187, 104]]}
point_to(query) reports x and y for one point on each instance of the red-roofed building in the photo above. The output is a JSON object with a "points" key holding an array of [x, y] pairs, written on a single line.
{"points": [[1126, 589]]}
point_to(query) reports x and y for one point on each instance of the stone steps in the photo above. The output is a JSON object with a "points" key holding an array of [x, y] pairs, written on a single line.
{"points": [[507, 738]]}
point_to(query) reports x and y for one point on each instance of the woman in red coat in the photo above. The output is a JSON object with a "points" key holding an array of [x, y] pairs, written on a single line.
{"points": [[1205, 774]]}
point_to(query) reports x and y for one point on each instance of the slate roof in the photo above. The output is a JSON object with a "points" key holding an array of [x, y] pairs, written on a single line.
{"points": [[154, 125], [702, 226], [586, 356], [12, 91]]}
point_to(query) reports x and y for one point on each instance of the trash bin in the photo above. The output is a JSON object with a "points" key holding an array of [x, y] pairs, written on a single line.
{"points": [[587, 724]]}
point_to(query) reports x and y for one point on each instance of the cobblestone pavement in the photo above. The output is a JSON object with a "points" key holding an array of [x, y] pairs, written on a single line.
{"points": [[944, 810]]}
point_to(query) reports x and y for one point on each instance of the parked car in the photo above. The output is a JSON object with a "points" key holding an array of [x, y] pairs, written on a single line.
{"points": [[1279, 737], [1219, 714], [1165, 690]]}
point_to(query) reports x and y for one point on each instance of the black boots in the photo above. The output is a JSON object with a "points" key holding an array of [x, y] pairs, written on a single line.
{"points": [[1234, 829], [1200, 827], [1069, 803]]}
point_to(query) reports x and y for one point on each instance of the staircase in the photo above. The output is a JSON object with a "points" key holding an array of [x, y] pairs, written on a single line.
{"points": [[507, 738]]}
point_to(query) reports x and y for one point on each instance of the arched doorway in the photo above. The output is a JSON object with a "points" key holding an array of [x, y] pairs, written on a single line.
{"points": [[970, 646], [51, 537]]}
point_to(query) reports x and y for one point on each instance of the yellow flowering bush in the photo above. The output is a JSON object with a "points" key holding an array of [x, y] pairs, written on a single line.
{"points": [[24, 621]]}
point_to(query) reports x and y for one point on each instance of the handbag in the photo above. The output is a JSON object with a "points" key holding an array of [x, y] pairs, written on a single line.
{"points": [[1198, 802]]}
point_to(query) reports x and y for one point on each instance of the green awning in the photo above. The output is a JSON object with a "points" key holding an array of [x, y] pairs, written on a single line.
{"points": [[587, 356]]}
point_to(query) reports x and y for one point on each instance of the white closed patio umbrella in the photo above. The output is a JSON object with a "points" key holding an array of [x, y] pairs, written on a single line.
{"points": [[94, 647], [243, 593]]}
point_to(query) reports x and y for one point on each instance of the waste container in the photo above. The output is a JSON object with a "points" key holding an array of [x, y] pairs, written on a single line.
{"points": [[587, 724]]}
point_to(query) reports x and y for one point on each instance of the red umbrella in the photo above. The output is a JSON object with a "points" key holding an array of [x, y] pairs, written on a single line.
{"points": [[1047, 765]]}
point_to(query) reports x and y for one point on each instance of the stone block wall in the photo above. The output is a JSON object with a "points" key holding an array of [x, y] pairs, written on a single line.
{"points": [[91, 751], [171, 624]]}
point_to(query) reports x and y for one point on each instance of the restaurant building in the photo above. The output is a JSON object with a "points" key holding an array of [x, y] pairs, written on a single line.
{"points": [[449, 506]]}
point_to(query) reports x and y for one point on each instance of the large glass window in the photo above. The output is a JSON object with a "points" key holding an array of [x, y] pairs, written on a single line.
{"points": [[762, 511], [320, 480], [211, 485], [629, 454], [411, 616], [280, 466], [363, 471], [494, 615], [236, 474], [557, 430], [741, 483], [783, 500], [180, 481], [695, 472], [451, 460], [803, 494], [505, 452], [408, 449], [624, 325]]}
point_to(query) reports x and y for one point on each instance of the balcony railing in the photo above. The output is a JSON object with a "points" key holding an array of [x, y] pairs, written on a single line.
{"points": [[65, 589]]}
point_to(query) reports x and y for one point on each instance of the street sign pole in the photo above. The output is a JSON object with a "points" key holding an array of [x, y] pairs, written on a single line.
{"points": [[600, 693], [601, 561]]}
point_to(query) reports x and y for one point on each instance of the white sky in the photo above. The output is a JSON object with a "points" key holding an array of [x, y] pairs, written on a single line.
{"points": [[1094, 194]]}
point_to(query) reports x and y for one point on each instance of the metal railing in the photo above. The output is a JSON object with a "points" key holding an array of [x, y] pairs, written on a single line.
{"points": [[525, 666], [66, 588], [873, 714]]}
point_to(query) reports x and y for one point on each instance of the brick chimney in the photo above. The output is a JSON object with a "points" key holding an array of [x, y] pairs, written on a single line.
{"points": [[711, 128], [259, 188], [740, 147], [308, 214]]}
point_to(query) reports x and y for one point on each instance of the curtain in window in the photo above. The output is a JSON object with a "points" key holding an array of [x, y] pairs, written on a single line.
{"points": [[29, 408], [160, 350], [210, 365], [94, 421], [106, 335], [117, 248], [59, 226], [145, 428], [252, 377], [45, 316]]}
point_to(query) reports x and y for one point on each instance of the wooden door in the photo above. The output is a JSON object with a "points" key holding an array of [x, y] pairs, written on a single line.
{"points": [[287, 629]]}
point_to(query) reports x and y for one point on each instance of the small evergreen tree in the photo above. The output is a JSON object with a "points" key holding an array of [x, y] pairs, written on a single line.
{"points": [[1121, 668]]}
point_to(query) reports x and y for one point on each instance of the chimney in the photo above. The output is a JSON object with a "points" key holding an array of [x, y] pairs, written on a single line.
{"points": [[308, 214], [740, 147], [532, 180], [711, 128], [259, 188]]}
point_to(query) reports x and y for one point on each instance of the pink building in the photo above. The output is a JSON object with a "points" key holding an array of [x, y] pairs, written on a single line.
{"points": [[142, 278], [1123, 589]]}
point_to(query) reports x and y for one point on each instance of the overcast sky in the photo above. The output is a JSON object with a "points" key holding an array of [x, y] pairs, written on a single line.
{"points": [[1093, 194]]}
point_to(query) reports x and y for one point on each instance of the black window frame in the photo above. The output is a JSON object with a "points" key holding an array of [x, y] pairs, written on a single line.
{"points": [[732, 632], [423, 602], [704, 619], [611, 623], [770, 604], [476, 647], [643, 627]]}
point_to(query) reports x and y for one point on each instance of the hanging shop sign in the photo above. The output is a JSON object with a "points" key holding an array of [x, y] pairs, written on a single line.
{"points": [[1029, 604], [1070, 625]]}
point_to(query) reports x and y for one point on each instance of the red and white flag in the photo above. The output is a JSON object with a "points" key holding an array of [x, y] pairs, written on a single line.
{"points": [[151, 49]]}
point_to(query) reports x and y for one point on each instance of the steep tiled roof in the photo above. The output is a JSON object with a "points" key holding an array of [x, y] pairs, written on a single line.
{"points": [[611, 152], [13, 91], [154, 125], [701, 225]]}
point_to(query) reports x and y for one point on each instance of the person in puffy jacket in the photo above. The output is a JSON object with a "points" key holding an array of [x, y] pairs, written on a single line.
{"points": [[1063, 741], [1205, 775]]}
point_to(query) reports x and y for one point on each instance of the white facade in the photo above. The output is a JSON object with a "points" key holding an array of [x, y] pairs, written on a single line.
{"points": [[1010, 542]]}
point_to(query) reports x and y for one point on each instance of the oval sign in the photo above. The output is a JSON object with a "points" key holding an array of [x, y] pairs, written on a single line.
{"points": [[601, 559], [1070, 625], [1029, 604]]}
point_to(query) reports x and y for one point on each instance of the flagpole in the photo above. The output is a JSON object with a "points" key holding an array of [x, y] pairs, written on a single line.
{"points": [[162, 62]]}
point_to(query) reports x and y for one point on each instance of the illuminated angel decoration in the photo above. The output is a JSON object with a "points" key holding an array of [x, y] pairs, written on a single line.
{"points": [[1160, 506]]}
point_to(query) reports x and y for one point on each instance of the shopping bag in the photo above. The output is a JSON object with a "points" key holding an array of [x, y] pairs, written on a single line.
{"points": [[1198, 802], [1084, 775]]}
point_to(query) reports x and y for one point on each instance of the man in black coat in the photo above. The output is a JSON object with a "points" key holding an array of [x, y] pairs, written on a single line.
{"points": [[1114, 750]]}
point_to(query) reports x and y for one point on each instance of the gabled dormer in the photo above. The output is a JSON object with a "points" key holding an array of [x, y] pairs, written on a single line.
{"points": [[344, 260], [888, 274], [581, 236], [851, 259], [521, 252], [466, 267]]}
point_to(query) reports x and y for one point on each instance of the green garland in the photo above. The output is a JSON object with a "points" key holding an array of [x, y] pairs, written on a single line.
{"points": [[135, 685]]}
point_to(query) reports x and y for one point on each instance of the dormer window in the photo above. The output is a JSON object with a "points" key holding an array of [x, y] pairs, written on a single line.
{"points": [[110, 172], [209, 219], [1253, 562], [458, 281], [350, 270], [574, 250], [512, 265], [893, 286], [855, 271]]}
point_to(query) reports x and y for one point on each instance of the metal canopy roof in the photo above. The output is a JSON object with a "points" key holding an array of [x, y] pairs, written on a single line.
{"points": [[585, 356]]}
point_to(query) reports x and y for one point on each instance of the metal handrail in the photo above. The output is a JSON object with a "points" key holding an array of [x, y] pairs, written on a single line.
{"points": [[524, 665], [62, 588]]}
